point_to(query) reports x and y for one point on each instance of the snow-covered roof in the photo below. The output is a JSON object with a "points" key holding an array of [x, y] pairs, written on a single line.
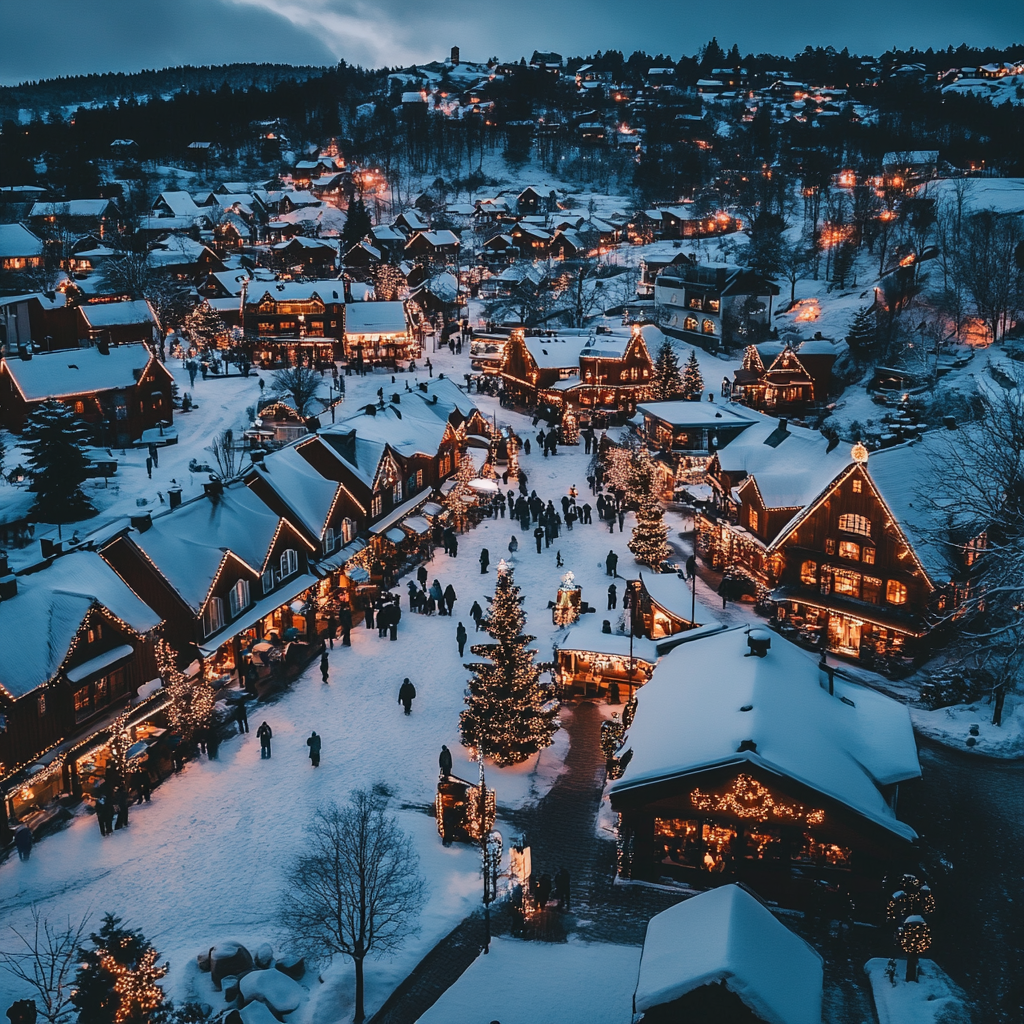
{"points": [[17, 240], [556, 353], [436, 238], [375, 318], [587, 636], [113, 314], [58, 300], [48, 610], [188, 544], [78, 371], [181, 204], [669, 591], [297, 291], [843, 749], [309, 495], [1000, 195], [726, 936], [410, 428], [698, 414], [71, 208], [909, 158]]}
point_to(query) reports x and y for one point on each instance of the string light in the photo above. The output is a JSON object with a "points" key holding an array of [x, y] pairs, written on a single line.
{"points": [[136, 988], [191, 698], [748, 799]]}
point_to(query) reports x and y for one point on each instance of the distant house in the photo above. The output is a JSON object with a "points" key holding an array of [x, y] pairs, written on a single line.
{"points": [[378, 332], [37, 320], [118, 323], [791, 382], [19, 248], [80, 215], [531, 240], [534, 200], [916, 164], [293, 319], [312, 257], [433, 245], [120, 391]]}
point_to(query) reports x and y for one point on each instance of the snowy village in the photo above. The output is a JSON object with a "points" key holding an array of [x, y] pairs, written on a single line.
{"points": [[530, 539]]}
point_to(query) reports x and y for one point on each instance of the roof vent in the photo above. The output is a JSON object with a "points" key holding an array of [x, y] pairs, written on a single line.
{"points": [[783, 423], [747, 707], [370, 410], [213, 489], [142, 522], [759, 641], [747, 745]]}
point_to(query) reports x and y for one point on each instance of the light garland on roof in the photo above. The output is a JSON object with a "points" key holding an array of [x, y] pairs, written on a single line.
{"points": [[748, 799]]}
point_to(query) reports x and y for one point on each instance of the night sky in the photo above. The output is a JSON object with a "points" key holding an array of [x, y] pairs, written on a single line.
{"points": [[81, 36]]}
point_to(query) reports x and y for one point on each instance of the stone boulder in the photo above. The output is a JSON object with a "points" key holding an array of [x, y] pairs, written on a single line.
{"points": [[228, 958], [230, 986], [257, 1013], [203, 960], [264, 956], [293, 966], [279, 992]]}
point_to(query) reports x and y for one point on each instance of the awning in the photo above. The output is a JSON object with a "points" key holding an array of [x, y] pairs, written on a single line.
{"points": [[341, 556], [416, 524], [396, 535], [358, 574], [398, 514], [260, 610], [432, 509], [96, 665]]}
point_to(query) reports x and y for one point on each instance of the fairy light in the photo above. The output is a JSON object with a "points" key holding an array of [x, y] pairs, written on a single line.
{"points": [[136, 987], [748, 799], [191, 698]]}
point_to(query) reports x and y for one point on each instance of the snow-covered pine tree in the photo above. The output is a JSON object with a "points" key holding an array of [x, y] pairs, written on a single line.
{"points": [[506, 712], [117, 979], [863, 334], [204, 325], [649, 543], [668, 381], [58, 465], [693, 382]]}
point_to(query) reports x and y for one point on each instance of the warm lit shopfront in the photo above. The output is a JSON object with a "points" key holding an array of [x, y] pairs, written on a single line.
{"points": [[589, 662]]}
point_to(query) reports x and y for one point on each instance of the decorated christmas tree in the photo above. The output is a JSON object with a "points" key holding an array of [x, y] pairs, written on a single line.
{"points": [[204, 325], [507, 713], [117, 980], [570, 427], [668, 382], [650, 534], [191, 697], [693, 382], [58, 465], [453, 502]]}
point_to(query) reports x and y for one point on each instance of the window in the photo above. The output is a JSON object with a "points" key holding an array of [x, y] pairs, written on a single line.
{"points": [[871, 589], [867, 555], [712, 305], [690, 323], [376, 505], [857, 486], [695, 302], [213, 616], [846, 582], [895, 592], [330, 540], [83, 703], [709, 326], [289, 562], [348, 530], [79, 407], [809, 573], [267, 580], [396, 492], [847, 549], [850, 523], [752, 518], [238, 599], [419, 478], [830, 546], [41, 705]]}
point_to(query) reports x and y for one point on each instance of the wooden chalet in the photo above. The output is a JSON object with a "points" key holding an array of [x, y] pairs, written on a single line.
{"points": [[295, 321], [118, 323], [378, 333], [791, 382], [96, 216], [308, 257], [777, 776], [122, 391], [437, 245], [19, 248]]}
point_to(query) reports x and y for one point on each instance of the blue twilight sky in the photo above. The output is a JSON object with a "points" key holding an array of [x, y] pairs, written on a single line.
{"points": [[80, 36]]}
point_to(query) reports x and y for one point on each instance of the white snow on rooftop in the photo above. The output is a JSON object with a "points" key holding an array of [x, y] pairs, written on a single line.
{"points": [[698, 414], [308, 494], [16, 240], [375, 318], [688, 718], [727, 936], [112, 314], [78, 371]]}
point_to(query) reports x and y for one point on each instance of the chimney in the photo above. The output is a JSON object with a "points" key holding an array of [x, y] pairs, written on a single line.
{"points": [[8, 587], [455, 56], [783, 424], [3, 563], [256, 456], [826, 675], [747, 745], [103, 347], [759, 641], [396, 399], [48, 548], [142, 522], [833, 442], [213, 489], [174, 496], [24, 352]]}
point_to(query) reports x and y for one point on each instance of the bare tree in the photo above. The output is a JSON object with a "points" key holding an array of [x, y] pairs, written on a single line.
{"points": [[47, 963], [356, 890], [992, 268], [226, 455], [299, 384]]}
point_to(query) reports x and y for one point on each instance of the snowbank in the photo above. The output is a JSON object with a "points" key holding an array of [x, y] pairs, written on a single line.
{"points": [[953, 727], [932, 999]]}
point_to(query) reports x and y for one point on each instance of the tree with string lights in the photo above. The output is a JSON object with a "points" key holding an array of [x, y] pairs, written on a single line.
{"points": [[117, 981], [693, 381], [192, 698], [453, 502], [507, 714], [649, 542], [906, 909]]}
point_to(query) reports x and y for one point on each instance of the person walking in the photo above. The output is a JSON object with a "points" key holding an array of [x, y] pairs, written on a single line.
{"points": [[622, 518], [444, 762], [324, 667], [314, 744], [513, 547], [264, 734], [611, 564], [242, 717], [332, 629], [23, 839], [612, 597], [539, 535], [421, 576], [461, 636], [101, 814], [140, 780], [406, 695], [485, 560], [477, 614], [437, 596], [121, 803], [394, 617], [586, 510], [450, 597], [345, 619]]}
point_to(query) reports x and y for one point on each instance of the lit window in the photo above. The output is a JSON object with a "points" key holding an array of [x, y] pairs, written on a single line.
{"points": [[856, 486], [895, 592], [709, 326], [376, 505], [847, 549], [868, 556], [289, 562], [213, 616], [809, 572], [846, 582], [830, 546], [348, 530], [850, 523], [690, 323], [41, 704], [871, 589], [238, 599], [752, 518]]}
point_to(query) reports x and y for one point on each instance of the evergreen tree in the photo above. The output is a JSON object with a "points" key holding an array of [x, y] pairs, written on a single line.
{"points": [[192, 699], [863, 334], [204, 325], [117, 980], [453, 502], [649, 543], [58, 465], [506, 710], [668, 382], [357, 224], [693, 382]]}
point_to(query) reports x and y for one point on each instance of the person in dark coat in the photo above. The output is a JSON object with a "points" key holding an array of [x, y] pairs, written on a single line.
{"points": [[612, 597], [444, 762], [526, 446], [421, 575], [23, 836], [611, 564], [345, 618], [455, 545], [485, 560], [622, 519], [252, 678], [120, 801], [393, 619], [104, 814], [140, 780], [264, 734], [587, 511], [438, 596], [369, 614], [212, 743], [332, 630], [324, 667], [539, 535], [461, 636], [406, 695], [543, 890], [450, 597], [314, 743], [242, 717], [477, 613], [413, 596]]}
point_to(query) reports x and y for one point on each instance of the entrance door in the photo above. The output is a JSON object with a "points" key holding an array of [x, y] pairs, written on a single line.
{"points": [[844, 634]]}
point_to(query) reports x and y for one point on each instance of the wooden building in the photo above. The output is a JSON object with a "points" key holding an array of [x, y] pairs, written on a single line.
{"points": [[20, 250], [788, 384], [295, 321], [378, 332]]}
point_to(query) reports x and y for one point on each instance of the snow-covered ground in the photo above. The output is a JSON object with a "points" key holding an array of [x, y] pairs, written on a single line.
{"points": [[934, 998], [969, 728], [531, 982]]}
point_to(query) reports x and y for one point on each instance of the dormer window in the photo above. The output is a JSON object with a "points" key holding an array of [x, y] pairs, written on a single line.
{"points": [[289, 563], [348, 530], [213, 616], [267, 579], [330, 542], [238, 599]]}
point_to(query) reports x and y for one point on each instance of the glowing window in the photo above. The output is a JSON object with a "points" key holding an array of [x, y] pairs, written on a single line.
{"points": [[857, 486], [709, 326], [690, 323], [847, 549], [867, 556], [850, 523], [895, 592], [809, 572]]}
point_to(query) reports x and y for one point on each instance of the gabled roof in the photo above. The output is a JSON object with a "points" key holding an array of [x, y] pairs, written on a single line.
{"points": [[699, 414], [845, 750], [72, 208], [726, 936], [330, 290], [435, 238], [181, 204], [48, 610], [114, 314], [78, 371], [309, 495], [17, 240], [359, 455], [375, 318]]}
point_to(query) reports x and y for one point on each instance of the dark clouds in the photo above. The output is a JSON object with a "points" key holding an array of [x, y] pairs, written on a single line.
{"points": [[76, 36]]}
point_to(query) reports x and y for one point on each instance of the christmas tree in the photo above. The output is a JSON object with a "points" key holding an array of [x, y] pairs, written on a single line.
{"points": [[204, 326], [570, 428], [191, 697], [863, 334], [650, 534], [453, 502], [58, 464], [668, 382], [507, 713], [693, 382], [357, 224], [117, 980]]}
